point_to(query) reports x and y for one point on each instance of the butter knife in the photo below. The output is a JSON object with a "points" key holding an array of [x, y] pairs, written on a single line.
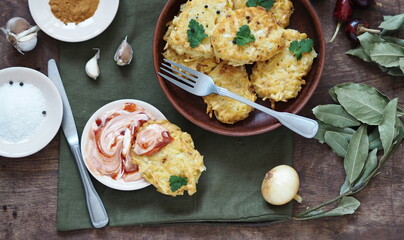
{"points": [[96, 209]]}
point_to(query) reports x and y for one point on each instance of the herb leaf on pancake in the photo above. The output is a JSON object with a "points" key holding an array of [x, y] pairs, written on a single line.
{"points": [[196, 33], [267, 4], [176, 182], [302, 46], [244, 36]]}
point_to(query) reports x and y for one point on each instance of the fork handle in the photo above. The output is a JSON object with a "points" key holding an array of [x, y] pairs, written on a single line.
{"points": [[303, 126]]}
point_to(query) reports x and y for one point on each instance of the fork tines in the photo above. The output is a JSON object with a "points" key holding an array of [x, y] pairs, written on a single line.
{"points": [[183, 79]]}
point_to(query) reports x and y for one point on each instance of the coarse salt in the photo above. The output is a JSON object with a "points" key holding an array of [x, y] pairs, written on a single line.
{"points": [[22, 109]]}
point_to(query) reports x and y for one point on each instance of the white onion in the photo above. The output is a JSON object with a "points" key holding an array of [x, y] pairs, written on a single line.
{"points": [[280, 185]]}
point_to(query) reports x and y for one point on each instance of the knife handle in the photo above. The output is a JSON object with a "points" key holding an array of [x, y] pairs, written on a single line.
{"points": [[96, 209]]}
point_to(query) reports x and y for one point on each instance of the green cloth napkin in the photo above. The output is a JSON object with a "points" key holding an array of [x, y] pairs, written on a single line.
{"points": [[229, 190]]}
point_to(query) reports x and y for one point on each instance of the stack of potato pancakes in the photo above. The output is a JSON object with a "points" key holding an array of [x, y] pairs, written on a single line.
{"points": [[276, 73]]}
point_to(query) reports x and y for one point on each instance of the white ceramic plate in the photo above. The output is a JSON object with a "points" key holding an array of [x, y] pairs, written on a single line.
{"points": [[118, 184], [50, 124], [92, 27]]}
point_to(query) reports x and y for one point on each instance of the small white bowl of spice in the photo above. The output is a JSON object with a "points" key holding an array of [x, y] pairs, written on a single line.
{"points": [[31, 111], [73, 20]]}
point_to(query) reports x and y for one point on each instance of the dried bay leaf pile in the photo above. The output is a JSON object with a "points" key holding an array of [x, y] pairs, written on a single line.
{"points": [[386, 51], [363, 128]]}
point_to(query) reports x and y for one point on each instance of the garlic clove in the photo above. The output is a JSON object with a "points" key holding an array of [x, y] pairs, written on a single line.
{"points": [[17, 25], [29, 31], [124, 53], [92, 69], [27, 43]]}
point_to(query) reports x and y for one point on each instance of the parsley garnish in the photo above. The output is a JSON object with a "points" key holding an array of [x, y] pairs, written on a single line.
{"points": [[302, 46], [244, 36], [196, 33], [176, 182], [267, 4]]}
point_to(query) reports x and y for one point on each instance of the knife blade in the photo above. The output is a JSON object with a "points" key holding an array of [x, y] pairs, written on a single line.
{"points": [[96, 209]]}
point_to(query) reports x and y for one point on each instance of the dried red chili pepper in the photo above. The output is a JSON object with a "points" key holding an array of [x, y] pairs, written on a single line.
{"points": [[342, 13], [356, 27]]}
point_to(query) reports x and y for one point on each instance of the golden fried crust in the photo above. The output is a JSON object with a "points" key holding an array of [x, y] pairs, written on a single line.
{"points": [[268, 37], [282, 10], [205, 12], [280, 78], [201, 65], [178, 158], [234, 79]]}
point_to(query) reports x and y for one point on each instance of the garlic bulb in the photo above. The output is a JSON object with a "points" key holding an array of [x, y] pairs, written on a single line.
{"points": [[92, 69], [21, 34], [280, 185], [124, 53]]}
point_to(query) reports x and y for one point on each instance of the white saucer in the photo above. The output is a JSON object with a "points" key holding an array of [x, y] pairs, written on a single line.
{"points": [[50, 124], [117, 184], [92, 27]]}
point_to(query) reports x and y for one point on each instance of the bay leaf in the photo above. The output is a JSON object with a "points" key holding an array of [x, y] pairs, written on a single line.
{"points": [[360, 53], [374, 140], [393, 22], [401, 63], [399, 125], [400, 131], [357, 153], [323, 128], [368, 39], [347, 205], [371, 164], [394, 40], [395, 71], [335, 115], [384, 69], [392, 71], [387, 128], [386, 54], [314, 213], [345, 187], [332, 93], [363, 88], [337, 142], [367, 108]]}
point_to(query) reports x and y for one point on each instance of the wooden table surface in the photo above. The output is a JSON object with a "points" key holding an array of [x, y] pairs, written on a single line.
{"points": [[28, 186]]}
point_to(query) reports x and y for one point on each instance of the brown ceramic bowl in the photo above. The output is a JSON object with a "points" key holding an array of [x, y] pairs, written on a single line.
{"points": [[193, 107]]}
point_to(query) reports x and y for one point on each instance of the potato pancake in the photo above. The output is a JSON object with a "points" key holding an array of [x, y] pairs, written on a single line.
{"points": [[280, 78], [282, 10], [267, 33], [234, 79], [201, 65], [207, 13], [178, 158]]}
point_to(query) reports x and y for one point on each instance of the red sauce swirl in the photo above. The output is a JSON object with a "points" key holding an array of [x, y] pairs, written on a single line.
{"points": [[110, 140]]}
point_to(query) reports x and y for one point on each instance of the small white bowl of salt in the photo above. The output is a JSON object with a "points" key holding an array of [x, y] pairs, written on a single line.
{"points": [[31, 111]]}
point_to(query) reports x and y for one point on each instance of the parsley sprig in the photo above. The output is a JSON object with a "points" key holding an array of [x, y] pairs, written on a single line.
{"points": [[267, 4], [300, 47], [244, 36], [196, 33], [176, 182]]}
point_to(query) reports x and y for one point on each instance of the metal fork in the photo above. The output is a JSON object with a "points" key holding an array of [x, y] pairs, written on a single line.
{"points": [[200, 84]]}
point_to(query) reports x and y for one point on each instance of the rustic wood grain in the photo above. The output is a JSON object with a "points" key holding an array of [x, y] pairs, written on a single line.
{"points": [[28, 186]]}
